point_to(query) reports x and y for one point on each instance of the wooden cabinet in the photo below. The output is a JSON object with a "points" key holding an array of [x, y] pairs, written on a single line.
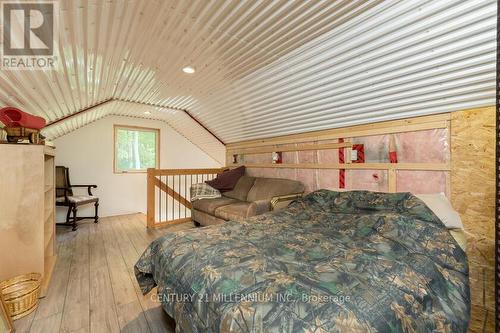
{"points": [[27, 211]]}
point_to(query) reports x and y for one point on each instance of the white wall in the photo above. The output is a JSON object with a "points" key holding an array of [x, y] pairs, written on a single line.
{"points": [[88, 152]]}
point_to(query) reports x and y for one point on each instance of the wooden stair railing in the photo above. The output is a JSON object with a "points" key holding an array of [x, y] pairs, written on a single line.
{"points": [[168, 194]]}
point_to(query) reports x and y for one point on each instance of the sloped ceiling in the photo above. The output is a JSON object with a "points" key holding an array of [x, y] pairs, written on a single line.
{"points": [[177, 119], [263, 68]]}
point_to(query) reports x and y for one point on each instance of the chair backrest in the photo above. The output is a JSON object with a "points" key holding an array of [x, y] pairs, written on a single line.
{"points": [[62, 180]]}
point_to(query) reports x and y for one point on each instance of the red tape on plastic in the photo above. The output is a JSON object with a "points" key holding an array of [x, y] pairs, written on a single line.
{"points": [[341, 161]]}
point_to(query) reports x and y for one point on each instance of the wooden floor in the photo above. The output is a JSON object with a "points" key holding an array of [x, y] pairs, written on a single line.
{"points": [[93, 287]]}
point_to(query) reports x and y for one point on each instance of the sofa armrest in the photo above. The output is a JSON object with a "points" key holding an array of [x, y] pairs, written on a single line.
{"points": [[283, 201], [260, 207]]}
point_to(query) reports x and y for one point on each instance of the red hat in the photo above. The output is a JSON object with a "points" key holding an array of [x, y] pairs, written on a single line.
{"points": [[13, 117]]}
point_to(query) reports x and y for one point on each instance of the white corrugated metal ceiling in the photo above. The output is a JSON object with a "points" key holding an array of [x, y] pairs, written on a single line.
{"points": [[263, 68]]}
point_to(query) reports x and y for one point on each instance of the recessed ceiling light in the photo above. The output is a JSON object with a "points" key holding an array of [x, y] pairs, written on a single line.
{"points": [[147, 113], [188, 70]]}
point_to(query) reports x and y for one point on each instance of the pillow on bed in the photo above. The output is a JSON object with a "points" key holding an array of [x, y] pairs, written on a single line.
{"points": [[459, 235], [440, 206]]}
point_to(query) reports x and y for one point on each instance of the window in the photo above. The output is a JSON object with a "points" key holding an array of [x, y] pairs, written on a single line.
{"points": [[136, 149]]}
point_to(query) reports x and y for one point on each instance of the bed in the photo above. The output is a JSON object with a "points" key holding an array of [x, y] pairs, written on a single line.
{"points": [[331, 262]]}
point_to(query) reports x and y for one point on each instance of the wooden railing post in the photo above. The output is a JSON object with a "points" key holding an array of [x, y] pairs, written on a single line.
{"points": [[151, 198]]}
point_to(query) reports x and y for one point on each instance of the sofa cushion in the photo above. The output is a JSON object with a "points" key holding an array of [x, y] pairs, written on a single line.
{"points": [[267, 188], [210, 205], [241, 210], [227, 180], [206, 219], [241, 189]]}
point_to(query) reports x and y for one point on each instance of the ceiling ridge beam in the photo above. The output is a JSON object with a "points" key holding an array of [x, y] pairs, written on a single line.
{"points": [[106, 101], [174, 108], [134, 102]]}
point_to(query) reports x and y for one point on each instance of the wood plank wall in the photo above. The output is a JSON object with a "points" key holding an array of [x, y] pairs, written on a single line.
{"points": [[472, 185], [473, 196]]}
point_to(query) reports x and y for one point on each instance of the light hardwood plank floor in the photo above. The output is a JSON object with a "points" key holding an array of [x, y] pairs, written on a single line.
{"points": [[93, 287]]}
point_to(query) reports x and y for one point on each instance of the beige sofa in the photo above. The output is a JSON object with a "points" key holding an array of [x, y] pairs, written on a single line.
{"points": [[251, 196]]}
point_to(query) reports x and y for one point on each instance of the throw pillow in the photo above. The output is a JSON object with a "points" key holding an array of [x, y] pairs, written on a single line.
{"points": [[227, 180]]}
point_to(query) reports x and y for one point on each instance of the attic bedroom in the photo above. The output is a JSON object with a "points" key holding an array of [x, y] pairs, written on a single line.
{"points": [[249, 166]]}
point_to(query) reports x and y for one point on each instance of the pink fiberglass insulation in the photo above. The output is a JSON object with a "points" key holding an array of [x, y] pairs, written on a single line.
{"points": [[328, 179], [421, 182], [250, 159], [307, 156], [289, 157], [258, 158], [370, 180], [286, 173], [328, 156], [308, 178], [261, 172], [376, 148], [429, 146]]}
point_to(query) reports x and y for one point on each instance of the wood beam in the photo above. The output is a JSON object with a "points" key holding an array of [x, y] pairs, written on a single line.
{"points": [[353, 166], [303, 147], [171, 222], [179, 172], [167, 189], [379, 128]]}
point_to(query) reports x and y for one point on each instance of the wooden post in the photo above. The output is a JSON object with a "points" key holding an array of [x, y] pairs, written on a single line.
{"points": [[392, 174], [151, 198]]}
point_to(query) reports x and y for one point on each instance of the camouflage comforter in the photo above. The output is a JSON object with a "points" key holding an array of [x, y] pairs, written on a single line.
{"points": [[331, 262]]}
